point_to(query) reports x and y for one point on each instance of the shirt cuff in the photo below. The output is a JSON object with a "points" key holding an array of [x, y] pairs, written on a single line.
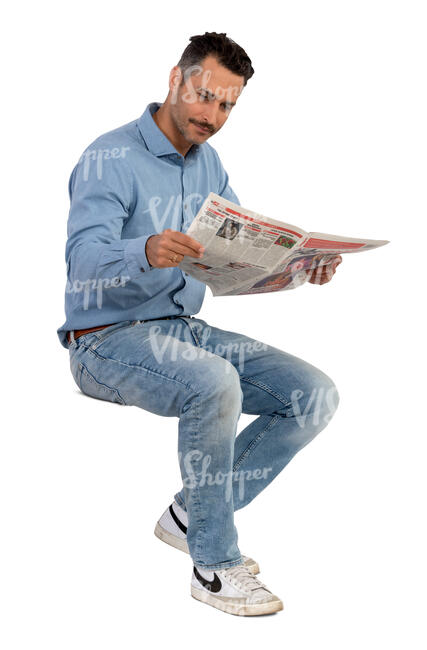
{"points": [[135, 257]]}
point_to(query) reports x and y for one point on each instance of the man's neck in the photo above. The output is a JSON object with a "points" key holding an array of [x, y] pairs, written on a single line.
{"points": [[163, 120]]}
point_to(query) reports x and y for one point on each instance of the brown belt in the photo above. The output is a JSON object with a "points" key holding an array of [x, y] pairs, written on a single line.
{"points": [[78, 333]]}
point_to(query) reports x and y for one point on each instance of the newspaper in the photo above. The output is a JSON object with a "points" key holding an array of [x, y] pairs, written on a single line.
{"points": [[246, 252]]}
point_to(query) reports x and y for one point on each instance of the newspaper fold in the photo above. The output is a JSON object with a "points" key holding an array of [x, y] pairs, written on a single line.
{"points": [[246, 252]]}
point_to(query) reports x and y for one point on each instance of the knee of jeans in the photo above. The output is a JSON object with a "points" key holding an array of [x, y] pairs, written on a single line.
{"points": [[221, 380], [319, 398], [331, 398]]}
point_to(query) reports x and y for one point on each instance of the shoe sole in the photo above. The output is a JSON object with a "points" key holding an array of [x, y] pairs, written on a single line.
{"points": [[181, 545], [238, 609]]}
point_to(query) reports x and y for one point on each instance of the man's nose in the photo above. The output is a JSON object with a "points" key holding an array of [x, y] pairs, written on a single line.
{"points": [[209, 114]]}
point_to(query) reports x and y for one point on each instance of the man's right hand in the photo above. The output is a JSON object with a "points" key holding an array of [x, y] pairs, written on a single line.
{"points": [[170, 247]]}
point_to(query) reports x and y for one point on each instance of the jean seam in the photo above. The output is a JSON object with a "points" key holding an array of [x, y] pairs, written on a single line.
{"points": [[285, 401], [218, 565], [254, 442], [178, 380], [201, 532], [92, 379], [179, 501], [194, 335]]}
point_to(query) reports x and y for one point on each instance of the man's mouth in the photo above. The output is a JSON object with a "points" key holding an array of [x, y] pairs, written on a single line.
{"points": [[202, 128]]}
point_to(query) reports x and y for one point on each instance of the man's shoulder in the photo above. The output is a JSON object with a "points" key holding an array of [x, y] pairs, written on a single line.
{"points": [[114, 141], [118, 146]]}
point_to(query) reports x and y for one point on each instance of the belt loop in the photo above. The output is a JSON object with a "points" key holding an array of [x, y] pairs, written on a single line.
{"points": [[72, 339]]}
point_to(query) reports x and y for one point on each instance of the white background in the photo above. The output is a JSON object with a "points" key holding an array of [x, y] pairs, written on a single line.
{"points": [[329, 134]]}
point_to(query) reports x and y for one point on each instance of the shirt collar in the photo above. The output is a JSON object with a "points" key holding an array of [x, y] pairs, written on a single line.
{"points": [[156, 141]]}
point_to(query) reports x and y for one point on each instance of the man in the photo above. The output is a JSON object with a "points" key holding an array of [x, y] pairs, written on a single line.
{"points": [[133, 338]]}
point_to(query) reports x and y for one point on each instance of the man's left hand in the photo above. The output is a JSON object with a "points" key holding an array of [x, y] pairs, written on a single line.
{"points": [[325, 273]]}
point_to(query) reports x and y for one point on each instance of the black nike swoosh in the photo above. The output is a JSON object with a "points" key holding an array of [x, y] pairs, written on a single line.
{"points": [[211, 585], [177, 521]]}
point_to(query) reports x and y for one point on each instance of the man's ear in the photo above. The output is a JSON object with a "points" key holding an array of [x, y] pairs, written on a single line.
{"points": [[175, 78]]}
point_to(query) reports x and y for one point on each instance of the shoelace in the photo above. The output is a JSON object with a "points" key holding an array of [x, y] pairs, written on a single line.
{"points": [[244, 578]]}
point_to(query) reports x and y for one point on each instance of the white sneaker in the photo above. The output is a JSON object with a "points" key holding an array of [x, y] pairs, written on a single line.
{"points": [[234, 590], [172, 529]]}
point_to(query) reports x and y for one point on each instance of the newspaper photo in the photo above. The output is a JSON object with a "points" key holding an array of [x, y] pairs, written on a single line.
{"points": [[246, 252]]}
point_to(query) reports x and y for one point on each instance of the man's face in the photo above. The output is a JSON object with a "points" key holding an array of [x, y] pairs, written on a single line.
{"points": [[205, 98]]}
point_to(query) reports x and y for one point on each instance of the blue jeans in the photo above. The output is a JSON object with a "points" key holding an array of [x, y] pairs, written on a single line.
{"points": [[207, 377]]}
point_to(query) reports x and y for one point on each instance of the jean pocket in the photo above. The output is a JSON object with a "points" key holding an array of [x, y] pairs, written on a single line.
{"points": [[94, 388], [102, 335]]}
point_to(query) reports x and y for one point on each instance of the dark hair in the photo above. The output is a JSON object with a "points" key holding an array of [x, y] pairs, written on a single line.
{"points": [[224, 49]]}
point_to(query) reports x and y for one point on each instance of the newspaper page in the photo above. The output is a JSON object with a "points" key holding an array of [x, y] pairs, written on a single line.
{"points": [[246, 252], [241, 246], [316, 250]]}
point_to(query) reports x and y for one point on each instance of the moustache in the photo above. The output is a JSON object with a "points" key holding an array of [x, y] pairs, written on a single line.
{"points": [[204, 126]]}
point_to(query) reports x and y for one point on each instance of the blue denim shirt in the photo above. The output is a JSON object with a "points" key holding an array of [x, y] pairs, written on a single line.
{"points": [[129, 184]]}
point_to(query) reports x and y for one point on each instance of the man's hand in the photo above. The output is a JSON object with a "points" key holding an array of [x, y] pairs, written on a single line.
{"points": [[170, 247], [325, 273]]}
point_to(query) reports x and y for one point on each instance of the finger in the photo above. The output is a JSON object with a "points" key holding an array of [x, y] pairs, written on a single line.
{"points": [[172, 256], [171, 253], [175, 256], [316, 274], [179, 249], [187, 242], [322, 277]]}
